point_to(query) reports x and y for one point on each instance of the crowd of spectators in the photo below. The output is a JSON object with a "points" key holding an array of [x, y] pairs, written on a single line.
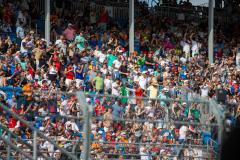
{"points": [[90, 54]]}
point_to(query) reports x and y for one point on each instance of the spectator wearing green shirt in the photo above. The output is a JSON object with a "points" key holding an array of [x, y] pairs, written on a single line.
{"points": [[98, 83], [23, 64], [80, 41], [193, 114], [110, 58]]}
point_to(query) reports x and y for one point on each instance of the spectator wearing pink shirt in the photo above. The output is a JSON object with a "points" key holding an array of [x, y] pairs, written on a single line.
{"points": [[69, 32]]}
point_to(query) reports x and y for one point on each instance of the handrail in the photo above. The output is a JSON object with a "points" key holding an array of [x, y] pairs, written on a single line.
{"points": [[20, 140], [160, 155], [133, 120], [203, 101], [16, 148], [136, 143], [129, 154], [5, 108]]}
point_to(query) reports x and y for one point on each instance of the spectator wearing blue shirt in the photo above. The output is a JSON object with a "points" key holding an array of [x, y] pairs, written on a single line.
{"points": [[117, 110], [79, 75], [10, 90]]}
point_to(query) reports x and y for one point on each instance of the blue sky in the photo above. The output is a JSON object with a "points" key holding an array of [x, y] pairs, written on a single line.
{"points": [[199, 2]]}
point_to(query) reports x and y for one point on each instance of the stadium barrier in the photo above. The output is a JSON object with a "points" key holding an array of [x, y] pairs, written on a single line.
{"points": [[165, 120]]}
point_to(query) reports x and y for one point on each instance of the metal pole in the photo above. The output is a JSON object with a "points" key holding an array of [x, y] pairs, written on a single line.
{"points": [[87, 134], [210, 30], [47, 21], [87, 125], [9, 147], [220, 136], [34, 145], [131, 26]]}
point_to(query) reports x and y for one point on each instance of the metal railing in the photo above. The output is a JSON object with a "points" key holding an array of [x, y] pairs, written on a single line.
{"points": [[36, 133], [168, 121], [208, 149]]}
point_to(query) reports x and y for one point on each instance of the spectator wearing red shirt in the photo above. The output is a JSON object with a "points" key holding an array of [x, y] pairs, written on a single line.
{"points": [[138, 93], [7, 14], [99, 109], [56, 61], [30, 70], [36, 84], [12, 121], [44, 86], [103, 20], [69, 75]]}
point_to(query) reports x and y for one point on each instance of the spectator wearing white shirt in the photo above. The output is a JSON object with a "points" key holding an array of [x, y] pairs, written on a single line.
{"points": [[182, 133], [204, 90], [144, 153], [116, 65], [101, 56], [24, 48], [61, 44], [116, 87], [195, 45], [48, 146], [186, 48], [143, 80], [96, 51], [104, 70], [108, 84], [71, 125]]}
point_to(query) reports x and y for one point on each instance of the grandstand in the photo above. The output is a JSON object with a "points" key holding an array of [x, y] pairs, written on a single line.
{"points": [[148, 80]]}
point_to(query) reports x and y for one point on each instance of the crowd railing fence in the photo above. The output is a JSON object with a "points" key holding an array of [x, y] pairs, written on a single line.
{"points": [[88, 117]]}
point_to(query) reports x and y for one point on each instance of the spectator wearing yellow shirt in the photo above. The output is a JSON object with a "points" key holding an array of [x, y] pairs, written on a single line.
{"points": [[153, 88]]}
